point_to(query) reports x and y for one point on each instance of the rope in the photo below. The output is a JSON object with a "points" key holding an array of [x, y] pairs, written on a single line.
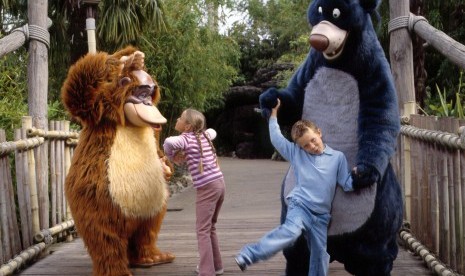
{"points": [[405, 22], [40, 34], [36, 32], [446, 139], [431, 261]]}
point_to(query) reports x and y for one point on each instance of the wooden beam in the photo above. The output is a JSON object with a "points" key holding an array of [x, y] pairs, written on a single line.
{"points": [[37, 80]]}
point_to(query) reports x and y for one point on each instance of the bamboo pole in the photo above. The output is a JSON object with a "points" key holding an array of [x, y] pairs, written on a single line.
{"points": [[415, 219], [444, 210], [27, 123], [22, 258], [448, 127], [434, 192], [50, 134], [60, 170], [13, 227], [8, 147], [462, 221], [67, 166], [5, 249], [456, 197], [44, 235], [27, 186], [53, 176], [21, 183]]}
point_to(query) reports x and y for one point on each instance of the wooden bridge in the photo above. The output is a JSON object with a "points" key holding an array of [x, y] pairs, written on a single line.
{"points": [[430, 165], [251, 208]]}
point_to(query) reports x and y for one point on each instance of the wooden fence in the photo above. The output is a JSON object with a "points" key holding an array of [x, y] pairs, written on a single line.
{"points": [[431, 165], [28, 209]]}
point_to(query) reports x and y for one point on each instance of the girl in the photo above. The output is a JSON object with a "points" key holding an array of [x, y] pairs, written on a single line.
{"points": [[194, 146]]}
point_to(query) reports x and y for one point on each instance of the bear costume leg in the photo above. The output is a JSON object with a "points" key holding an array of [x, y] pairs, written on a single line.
{"points": [[142, 249], [105, 246]]}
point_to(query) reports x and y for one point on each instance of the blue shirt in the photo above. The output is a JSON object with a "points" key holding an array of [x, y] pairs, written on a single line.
{"points": [[316, 175]]}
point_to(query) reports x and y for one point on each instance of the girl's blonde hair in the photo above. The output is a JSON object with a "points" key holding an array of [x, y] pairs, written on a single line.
{"points": [[198, 123]]}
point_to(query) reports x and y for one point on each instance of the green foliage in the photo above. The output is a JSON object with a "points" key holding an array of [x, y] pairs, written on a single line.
{"points": [[268, 31], [447, 106], [193, 64], [123, 22], [13, 91], [298, 53]]}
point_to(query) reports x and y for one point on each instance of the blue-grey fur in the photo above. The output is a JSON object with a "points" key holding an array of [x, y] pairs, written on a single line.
{"points": [[365, 129]]}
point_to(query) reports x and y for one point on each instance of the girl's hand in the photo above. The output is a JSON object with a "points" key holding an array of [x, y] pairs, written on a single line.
{"points": [[179, 158], [167, 172]]}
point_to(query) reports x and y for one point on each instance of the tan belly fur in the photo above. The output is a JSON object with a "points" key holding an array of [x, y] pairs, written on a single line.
{"points": [[135, 173]]}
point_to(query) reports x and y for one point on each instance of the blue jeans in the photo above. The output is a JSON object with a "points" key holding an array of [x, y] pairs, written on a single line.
{"points": [[299, 219]]}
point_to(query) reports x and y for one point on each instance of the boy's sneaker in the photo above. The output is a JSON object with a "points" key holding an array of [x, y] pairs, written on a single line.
{"points": [[240, 263], [218, 272]]}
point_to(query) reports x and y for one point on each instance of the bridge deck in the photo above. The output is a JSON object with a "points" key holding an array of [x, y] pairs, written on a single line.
{"points": [[251, 208]]}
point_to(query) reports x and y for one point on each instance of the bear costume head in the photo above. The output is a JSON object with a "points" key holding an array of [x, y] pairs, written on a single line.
{"points": [[345, 86], [115, 186]]}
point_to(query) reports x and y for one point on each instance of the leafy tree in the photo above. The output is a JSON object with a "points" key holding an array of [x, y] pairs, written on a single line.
{"points": [[271, 30], [193, 63], [13, 91]]}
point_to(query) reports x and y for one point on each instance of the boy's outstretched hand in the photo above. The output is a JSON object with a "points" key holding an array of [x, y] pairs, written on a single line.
{"points": [[274, 110]]}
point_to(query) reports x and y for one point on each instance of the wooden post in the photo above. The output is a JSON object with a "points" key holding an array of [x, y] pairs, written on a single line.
{"points": [[38, 89], [401, 57]]}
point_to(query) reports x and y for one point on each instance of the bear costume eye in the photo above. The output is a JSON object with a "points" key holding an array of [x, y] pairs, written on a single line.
{"points": [[336, 13], [320, 10]]}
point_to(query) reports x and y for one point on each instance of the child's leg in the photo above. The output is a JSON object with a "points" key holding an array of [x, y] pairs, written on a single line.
{"points": [[207, 198], [217, 261], [317, 239], [275, 240]]}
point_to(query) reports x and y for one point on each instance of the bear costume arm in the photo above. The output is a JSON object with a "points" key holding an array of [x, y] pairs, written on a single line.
{"points": [[378, 123], [292, 96]]}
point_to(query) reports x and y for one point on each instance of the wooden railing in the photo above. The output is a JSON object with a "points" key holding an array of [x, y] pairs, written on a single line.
{"points": [[431, 163], [33, 216]]}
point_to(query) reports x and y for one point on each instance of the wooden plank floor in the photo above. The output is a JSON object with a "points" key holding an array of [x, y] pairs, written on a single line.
{"points": [[251, 208]]}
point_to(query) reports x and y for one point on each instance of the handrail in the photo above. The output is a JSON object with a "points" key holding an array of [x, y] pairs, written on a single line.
{"points": [[433, 263], [7, 147], [450, 140]]}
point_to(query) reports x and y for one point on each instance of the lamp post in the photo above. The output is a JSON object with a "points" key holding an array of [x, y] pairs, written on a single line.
{"points": [[91, 10]]}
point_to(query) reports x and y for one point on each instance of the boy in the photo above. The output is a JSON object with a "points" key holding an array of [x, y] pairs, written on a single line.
{"points": [[318, 168]]}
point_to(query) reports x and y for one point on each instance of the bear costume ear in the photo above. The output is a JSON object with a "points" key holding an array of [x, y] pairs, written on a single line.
{"points": [[369, 5]]}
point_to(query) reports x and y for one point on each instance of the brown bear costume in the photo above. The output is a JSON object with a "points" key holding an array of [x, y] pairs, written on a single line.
{"points": [[115, 187]]}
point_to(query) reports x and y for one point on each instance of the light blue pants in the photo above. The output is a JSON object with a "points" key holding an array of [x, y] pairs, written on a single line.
{"points": [[299, 219]]}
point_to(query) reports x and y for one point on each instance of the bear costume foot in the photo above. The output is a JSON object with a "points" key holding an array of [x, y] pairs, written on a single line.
{"points": [[157, 259]]}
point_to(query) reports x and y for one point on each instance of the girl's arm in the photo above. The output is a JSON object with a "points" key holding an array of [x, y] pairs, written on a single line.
{"points": [[174, 144]]}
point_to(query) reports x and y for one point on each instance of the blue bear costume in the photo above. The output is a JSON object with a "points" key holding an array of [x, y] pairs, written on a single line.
{"points": [[345, 86]]}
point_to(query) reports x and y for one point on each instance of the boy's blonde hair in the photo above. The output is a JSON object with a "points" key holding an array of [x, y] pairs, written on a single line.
{"points": [[197, 120], [302, 126]]}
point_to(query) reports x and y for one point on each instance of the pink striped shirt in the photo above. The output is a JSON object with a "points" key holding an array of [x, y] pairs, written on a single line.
{"points": [[187, 142]]}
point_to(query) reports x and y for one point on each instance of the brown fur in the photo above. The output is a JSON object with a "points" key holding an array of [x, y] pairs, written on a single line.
{"points": [[115, 230]]}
